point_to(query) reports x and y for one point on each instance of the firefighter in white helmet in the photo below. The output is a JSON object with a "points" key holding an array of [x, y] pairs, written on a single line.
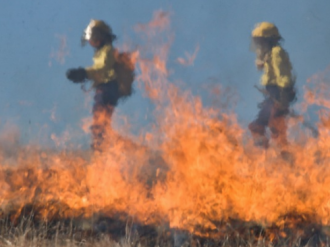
{"points": [[104, 76], [277, 84]]}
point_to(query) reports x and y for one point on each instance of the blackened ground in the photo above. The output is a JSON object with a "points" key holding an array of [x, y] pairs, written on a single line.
{"points": [[292, 230]]}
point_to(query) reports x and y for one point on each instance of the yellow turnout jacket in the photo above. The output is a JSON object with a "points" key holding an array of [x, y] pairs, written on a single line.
{"points": [[277, 69], [102, 71]]}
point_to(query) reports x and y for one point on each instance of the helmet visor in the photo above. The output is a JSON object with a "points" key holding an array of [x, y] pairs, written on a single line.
{"points": [[87, 35]]}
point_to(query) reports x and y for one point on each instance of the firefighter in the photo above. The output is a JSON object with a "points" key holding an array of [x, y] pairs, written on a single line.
{"points": [[277, 85], [100, 36]]}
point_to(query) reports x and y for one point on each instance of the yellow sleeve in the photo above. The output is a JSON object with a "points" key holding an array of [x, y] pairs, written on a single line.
{"points": [[102, 69], [282, 67]]}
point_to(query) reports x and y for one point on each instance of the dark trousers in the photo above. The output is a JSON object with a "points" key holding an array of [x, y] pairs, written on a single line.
{"points": [[270, 115], [105, 100]]}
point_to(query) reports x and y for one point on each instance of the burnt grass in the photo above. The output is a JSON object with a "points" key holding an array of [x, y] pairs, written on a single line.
{"points": [[25, 228]]}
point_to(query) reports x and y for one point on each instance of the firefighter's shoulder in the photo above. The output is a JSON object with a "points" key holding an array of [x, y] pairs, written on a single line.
{"points": [[280, 58], [279, 53]]}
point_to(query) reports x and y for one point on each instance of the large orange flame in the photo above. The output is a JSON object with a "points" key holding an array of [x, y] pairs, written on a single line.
{"points": [[193, 168]]}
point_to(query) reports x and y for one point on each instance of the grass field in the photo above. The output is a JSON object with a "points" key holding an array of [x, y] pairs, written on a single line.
{"points": [[111, 232]]}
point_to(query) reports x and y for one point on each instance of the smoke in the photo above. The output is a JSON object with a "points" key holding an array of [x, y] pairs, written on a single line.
{"points": [[211, 173], [9, 141], [61, 52]]}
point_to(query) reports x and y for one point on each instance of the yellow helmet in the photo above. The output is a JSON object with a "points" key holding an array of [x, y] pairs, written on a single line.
{"points": [[97, 26], [265, 30], [102, 26]]}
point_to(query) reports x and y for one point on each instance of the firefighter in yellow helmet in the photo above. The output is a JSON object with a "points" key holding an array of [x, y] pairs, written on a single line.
{"points": [[277, 81], [99, 35]]}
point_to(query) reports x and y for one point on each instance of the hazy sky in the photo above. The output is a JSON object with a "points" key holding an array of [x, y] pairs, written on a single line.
{"points": [[33, 82]]}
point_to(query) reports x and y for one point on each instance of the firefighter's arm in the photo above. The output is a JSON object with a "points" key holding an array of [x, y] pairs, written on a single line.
{"points": [[282, 70], [282, 67], [103, 64]]}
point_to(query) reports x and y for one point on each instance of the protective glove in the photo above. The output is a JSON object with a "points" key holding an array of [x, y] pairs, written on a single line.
{"points": [[77, 75]]}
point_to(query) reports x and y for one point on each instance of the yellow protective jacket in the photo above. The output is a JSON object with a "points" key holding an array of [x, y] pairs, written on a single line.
{"points": [[102, 71], [277, 69]]}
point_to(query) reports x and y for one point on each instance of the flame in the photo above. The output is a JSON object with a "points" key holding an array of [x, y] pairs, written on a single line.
{"points": [[194, 168], [190, 58]]}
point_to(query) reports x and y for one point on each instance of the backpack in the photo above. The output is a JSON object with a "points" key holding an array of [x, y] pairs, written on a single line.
{"points": [[124, 69]]}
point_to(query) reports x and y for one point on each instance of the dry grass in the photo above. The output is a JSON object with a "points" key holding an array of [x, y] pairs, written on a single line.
{"points": [[70, 234]]}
